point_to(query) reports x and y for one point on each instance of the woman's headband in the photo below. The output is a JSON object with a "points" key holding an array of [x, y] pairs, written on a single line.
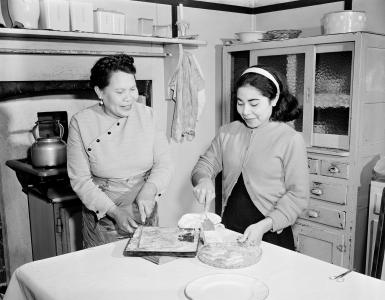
{"points": [[268, 75]]}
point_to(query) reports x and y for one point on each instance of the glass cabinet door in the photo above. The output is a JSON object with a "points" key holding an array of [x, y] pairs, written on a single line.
{"points": [[319, 76], [332, 96], [293, 63], [240, 60]]}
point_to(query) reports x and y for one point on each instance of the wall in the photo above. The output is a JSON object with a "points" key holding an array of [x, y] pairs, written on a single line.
{"points": [[308, 19], [375, 11]]}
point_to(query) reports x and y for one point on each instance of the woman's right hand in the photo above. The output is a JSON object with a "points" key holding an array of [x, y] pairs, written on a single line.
{"points": [[123, 219], [204, 191]]}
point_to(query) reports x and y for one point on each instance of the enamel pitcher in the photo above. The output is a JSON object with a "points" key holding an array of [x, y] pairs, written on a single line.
{"points": [[48, 151]]}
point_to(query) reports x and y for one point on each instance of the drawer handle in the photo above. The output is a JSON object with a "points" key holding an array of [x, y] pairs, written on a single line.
{"points": [[313, 213], [316, 191], [334, 170]]}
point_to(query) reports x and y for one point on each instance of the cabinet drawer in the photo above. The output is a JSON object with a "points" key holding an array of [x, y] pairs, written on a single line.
{"points": [[313, 165], [336, 193], [325, 215], [334, 169]]}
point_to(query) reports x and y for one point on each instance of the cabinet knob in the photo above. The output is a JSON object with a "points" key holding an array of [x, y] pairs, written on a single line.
{"points": [[341, 248], [316, 191], [334, 170], [313, 213]]}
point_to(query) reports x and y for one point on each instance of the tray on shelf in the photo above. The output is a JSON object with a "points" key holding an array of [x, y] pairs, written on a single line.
{"points": [[284, 34]]}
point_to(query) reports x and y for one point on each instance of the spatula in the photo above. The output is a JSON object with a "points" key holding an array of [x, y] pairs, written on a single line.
{"points": [[207, 224]]}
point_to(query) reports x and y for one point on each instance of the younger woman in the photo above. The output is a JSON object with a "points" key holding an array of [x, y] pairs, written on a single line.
{"points": [[263, 162]]}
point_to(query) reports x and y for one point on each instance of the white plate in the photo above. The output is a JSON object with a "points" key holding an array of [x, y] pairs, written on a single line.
{"points": [[226, 287]]}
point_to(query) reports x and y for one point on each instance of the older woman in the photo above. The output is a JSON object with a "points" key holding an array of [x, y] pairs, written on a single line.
{"points": [[118, 162]]}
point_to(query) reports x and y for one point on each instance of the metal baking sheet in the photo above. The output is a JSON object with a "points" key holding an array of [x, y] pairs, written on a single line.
{"points": [[170, 241]]}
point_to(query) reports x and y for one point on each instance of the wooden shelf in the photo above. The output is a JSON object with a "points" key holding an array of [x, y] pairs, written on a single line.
{"points": [[88, 36]]}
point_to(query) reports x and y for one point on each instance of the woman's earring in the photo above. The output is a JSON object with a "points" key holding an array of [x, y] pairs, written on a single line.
{"points": [[101, 102]]}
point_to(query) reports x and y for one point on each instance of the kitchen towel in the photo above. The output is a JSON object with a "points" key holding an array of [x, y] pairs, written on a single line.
{"points": [[186, 89]]}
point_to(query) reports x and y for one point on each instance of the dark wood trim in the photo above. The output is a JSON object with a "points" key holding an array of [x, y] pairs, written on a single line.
{"points": [[248, 10], [292, 5], [204, 5], [174, 19]]}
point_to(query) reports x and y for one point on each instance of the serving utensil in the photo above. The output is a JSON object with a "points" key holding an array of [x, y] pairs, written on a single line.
{"points": [[340, 277], [207, 224]]}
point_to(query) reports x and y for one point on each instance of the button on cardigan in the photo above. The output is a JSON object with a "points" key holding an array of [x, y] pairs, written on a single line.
{"points": [[273, 161], [106, 147]]}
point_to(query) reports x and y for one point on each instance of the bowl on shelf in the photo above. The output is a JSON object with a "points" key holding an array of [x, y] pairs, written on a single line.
{"points": [[343, 21], [282, 34], [250, 36]]}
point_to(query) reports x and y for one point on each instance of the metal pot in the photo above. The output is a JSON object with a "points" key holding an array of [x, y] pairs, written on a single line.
{"points": [[50, 151], [344, 21]]}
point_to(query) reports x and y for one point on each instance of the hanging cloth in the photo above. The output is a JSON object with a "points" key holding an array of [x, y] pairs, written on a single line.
{"points": [[186, 89]]}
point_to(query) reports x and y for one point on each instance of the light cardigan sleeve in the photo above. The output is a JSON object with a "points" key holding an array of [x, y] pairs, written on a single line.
{"points": [[80, 175], [210, 163], [296, 176], [163, 168]]}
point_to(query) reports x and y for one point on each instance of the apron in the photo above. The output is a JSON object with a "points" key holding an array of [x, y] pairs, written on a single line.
{"points": [[240, 212], [123, 193]]}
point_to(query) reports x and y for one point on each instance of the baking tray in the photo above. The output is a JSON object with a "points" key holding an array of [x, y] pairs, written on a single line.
{"points": [[163, 241]]}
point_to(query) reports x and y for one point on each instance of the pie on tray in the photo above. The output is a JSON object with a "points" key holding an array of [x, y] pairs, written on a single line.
{"points": [[229, 255]]}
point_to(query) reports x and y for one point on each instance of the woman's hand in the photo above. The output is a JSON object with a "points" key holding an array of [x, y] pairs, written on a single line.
{"points": [[254, 233], [123, 219], [146, 200], [204, 191]]}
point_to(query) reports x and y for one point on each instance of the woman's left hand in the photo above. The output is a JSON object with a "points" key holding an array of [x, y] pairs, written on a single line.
{"points": [[146, 200], [254, 233]]}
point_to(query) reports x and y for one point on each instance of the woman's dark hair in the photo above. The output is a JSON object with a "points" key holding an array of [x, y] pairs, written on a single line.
{"points": [[286, 108], [105, 66]]}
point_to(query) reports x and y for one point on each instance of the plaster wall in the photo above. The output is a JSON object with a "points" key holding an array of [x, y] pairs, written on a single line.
{"points": [[307, 19], [375, 11]]}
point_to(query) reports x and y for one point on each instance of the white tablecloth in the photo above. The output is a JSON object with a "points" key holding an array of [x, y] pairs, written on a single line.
{"points": [[104, 273]]}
